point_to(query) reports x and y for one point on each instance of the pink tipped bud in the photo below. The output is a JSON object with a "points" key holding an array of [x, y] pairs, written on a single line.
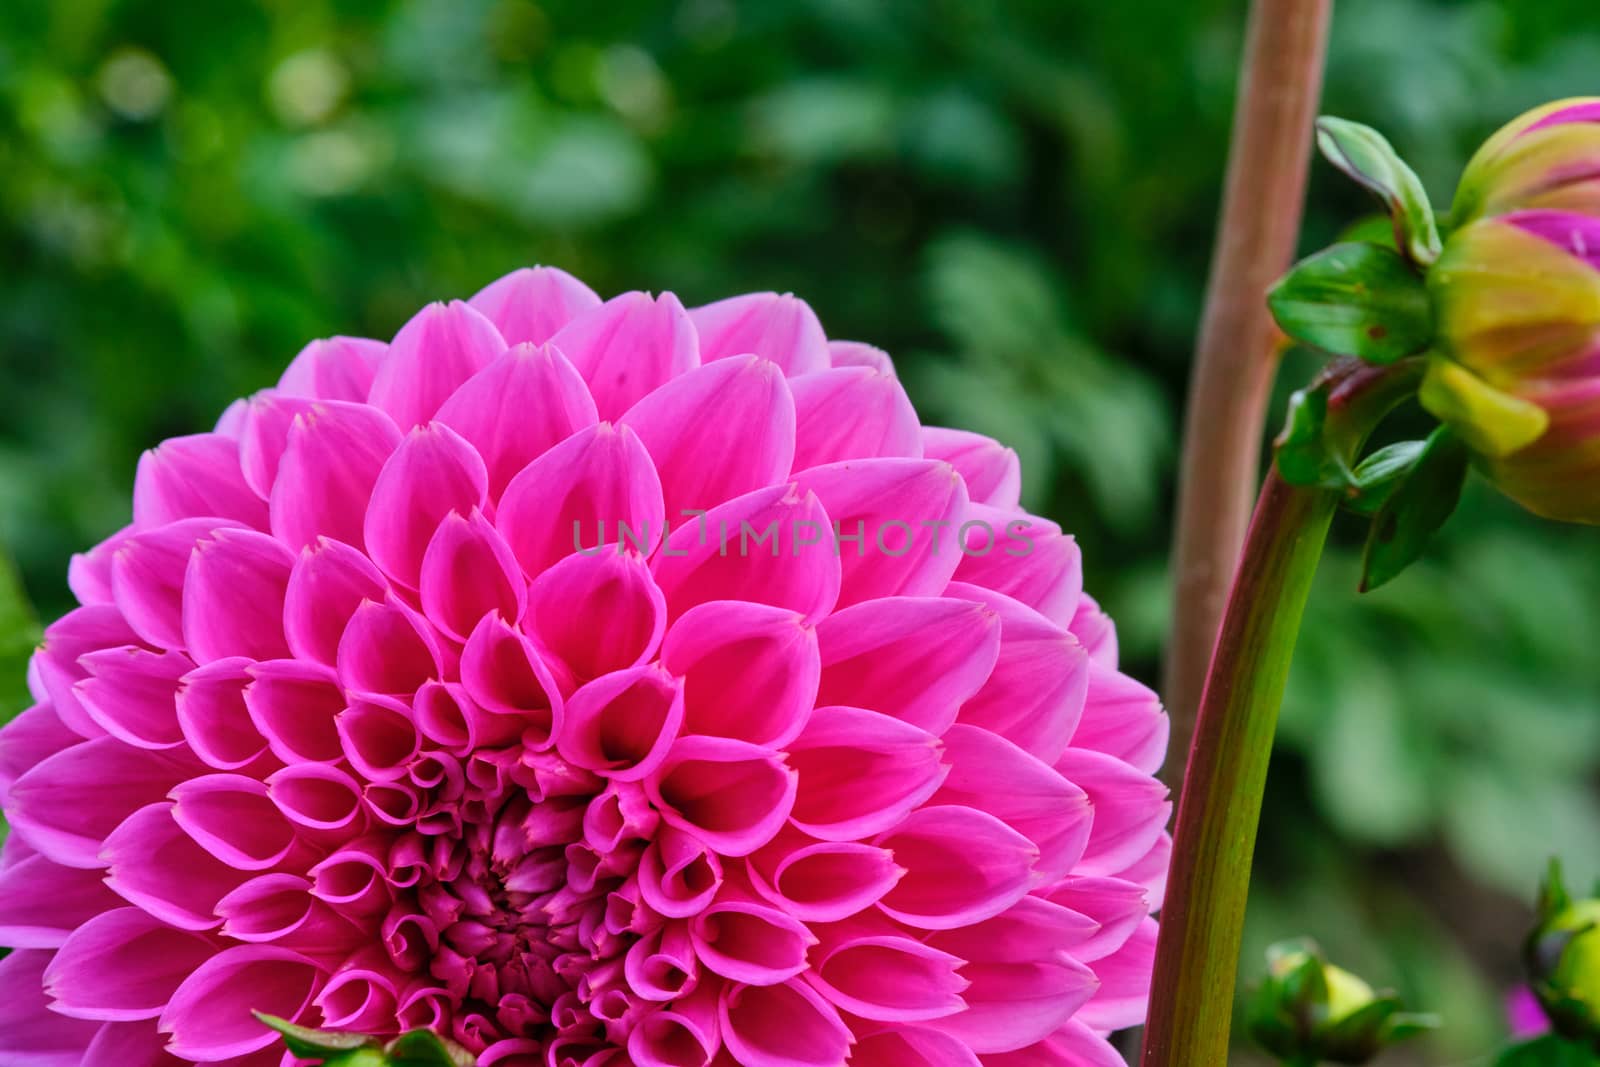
{"points": [[1548, 158]]}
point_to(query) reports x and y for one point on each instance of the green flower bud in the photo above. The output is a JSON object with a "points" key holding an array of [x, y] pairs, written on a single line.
{"points": [[1563, 958]]}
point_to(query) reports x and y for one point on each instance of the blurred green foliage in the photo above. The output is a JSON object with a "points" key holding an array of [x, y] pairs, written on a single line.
{"points": [[1017, 199]]}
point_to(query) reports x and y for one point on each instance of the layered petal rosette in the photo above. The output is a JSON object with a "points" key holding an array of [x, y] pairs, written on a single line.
{"points": [[592, 683]]}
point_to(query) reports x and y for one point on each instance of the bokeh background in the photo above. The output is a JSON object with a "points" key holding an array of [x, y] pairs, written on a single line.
{"points": [[1016, 199]]}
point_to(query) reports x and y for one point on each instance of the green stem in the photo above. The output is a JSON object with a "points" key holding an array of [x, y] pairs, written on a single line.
{"points": [[1197, 955]]}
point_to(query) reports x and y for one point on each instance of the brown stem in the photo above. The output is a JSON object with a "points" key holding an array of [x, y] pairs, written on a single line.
{"points": [[1235, 358]]}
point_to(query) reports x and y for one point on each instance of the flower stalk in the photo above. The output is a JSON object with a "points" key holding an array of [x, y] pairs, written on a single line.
{"points": [[1198, 950]]}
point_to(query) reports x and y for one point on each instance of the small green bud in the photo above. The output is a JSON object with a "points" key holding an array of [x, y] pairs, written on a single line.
{"points": [[1563, 959], [1307, 1010]]}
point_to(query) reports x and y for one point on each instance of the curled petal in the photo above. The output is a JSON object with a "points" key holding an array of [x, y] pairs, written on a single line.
{"points": [[861, 772], [749, 671], [332, 458], [340, 368], [442, 346], [895, 522], [469, 572], [852, 413], [673, 1039], [353, 878], [132, 694], [147, 577], [678, 874], [887, 976], [327, 585], [961, 865], [209, 1016], [186, 477], [1035, 694], [264, 435], [280, 908], [505, 675], [565, 602], [782, 328], [1095, 631], [122, 965], [717, 432], [387, 649], [379, 739], [318, 798], [42, 902], [362, 994], [784, 1025], [991, 470], [745, 941], [233, 597], [823, 881], [621, 725], [447, 717], [144, 851], [31, 1035], [596, 488], [730, 794], [231, 817], [292, 704], [66, 806], [771, 546], [629, 346], [661, 965], [878, 655], [531, 304], [434, 472]]}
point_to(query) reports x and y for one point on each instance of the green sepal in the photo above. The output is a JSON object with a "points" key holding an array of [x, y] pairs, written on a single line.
{"points": [[416, 1048], [1377, 477], [1355, 299], [424, 1048], [315, 1044], [1304, 455], [1364, 154], [1415, 510], [1548, 1051]]}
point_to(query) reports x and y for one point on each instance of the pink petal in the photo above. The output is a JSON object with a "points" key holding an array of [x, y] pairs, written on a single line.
{"points": [[131, 1043], [878, 655], [352, 878], [325, 477], [717, 432], [1116, 906], [434, 472], [989, 773], [41, 902], [442, 346], [340, 368], [1130, 809], [859, 354], [745, 941], [233, 594], [990, 469], [661, 965], [861, 772], [362, 994], [1124, 993], [750, 670], [670, 1039], [264, 435], [730, 794], [210, 1017], [900, 517], [1123, 718], [852, 413], [519, 407], [1074, 1045], [379, 738], [621, 725], [327, 585], [783, 329], [147, 578], [122, 965], [629, 346], [786, 1025], [89, 573], [1045, 572], [469, 572], [1036, 692], [31, 1035], [962, 866], [505, 675], [66, 806], [597, 487], [387, 649], [566, 600], [873, 972], [678, 874], [292, 704], [144, 851], [1095, 631], [230, 816], [913, 1047], [186, 477], [132, 694], [531, 304], [771, 546], [280, 908], [1150, 870], [824, 881], [317, 797], [214, 719], [32, 737]]}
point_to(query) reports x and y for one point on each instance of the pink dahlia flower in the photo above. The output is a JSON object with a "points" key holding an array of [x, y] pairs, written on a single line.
{"points": [[594, 684]]}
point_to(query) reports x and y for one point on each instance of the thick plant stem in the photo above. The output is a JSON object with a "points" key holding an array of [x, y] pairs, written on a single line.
{"points": [[1235, 357], [1197, 955]]}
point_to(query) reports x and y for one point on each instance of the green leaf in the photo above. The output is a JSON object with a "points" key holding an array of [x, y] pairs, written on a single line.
{"points": [[1304, 455], [1364, 154], [1420, 504], [315, 1044], [1380, 474], [424, 1048], [1548, 1051], [1355, 299]]}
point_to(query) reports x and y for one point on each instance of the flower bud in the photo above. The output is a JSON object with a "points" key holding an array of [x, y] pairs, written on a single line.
{"points": [[1547, 159], [1307, 1010], [1563, 959], [1516, 368]]}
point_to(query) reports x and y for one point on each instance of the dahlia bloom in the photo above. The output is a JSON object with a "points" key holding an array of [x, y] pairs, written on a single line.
{"points": [[593, 684], [1516, 295]]}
